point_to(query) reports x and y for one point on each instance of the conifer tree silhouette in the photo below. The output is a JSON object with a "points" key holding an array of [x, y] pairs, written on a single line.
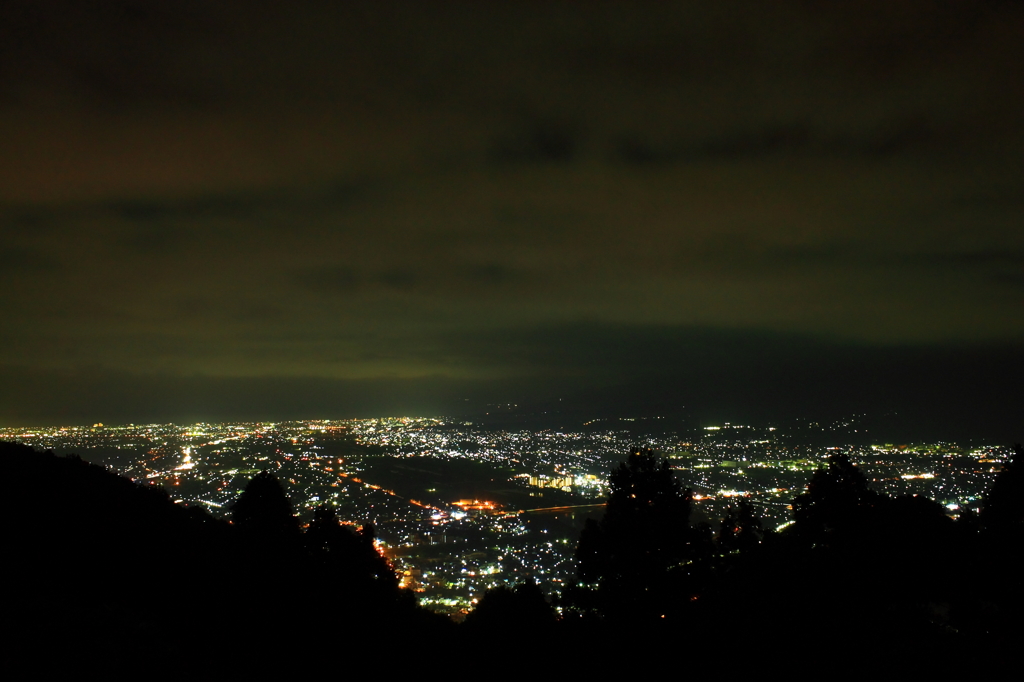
{"points": [[269, 544], [349, 559], [523, 607], [837, 499], [263, 508], [643, 536]]}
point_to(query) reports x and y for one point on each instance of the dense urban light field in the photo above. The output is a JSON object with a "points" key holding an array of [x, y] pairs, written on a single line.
{"points": [[462, 507]]}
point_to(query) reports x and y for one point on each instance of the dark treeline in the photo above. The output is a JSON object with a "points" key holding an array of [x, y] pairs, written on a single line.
{"points": [[858, 576], [100, 560]]}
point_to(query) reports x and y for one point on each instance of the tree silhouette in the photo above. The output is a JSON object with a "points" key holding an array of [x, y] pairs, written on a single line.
{"points": [[837, 499], [741, 528], [269, 544], [627, 558], [263, 508], [349, 559], [522, 607]]}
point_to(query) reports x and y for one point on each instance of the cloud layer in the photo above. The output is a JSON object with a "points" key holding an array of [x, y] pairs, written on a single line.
{"points": [[466, 192]]}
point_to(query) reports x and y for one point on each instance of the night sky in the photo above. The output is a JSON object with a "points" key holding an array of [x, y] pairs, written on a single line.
{"points": [[727, 210]]}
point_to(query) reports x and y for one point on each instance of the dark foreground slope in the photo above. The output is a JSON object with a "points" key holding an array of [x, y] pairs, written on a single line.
{"points": [[104, 569], [858, 580], [103, 564]]}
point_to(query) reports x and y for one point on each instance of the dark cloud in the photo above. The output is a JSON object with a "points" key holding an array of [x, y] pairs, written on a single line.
{"points": [[21, 260], [331, 280], [538, 142], [520, 192], [787, 140], [240, 206]]}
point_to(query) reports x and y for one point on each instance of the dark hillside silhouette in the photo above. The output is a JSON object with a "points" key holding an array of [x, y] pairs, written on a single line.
{"points": [[860, 565], [1003, 509], [89, 550], [891, 574], [102, 559]]}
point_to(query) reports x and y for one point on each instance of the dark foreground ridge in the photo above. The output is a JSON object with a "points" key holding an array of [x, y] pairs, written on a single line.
{"points": [[98, 561], [859, 577]]}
